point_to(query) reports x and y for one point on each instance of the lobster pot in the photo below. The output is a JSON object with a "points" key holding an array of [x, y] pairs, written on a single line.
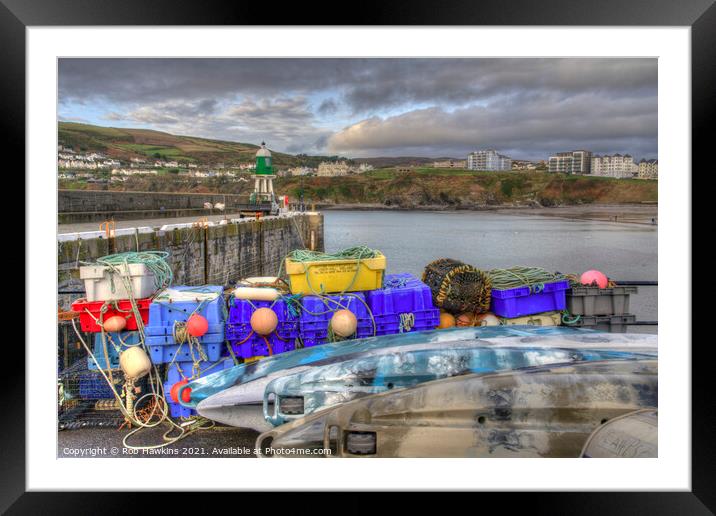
{"points": [[86, 400], [458, 287]]}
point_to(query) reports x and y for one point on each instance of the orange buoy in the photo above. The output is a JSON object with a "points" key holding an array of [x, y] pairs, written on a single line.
{"points": [[197, 325], [446, 320], [593, 277], [487, 319], [186, 395], [344, 323], [114, 324], [264, 321], [174, 392]]}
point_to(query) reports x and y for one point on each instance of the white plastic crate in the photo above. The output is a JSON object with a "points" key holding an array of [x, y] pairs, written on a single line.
{"points": [[99, 280]]}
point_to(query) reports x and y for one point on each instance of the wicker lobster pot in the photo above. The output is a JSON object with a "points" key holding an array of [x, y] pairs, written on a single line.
{"points": [[458, 287]]}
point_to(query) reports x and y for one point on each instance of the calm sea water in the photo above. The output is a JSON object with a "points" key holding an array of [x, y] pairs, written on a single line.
{"points": [[489, 240]]}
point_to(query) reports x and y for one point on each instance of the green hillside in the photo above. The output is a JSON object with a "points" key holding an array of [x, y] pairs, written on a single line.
{"points": [[467, 189], [125, 144]]}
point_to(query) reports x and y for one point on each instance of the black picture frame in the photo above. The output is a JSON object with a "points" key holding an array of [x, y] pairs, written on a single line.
{"points": [[700, 15]]}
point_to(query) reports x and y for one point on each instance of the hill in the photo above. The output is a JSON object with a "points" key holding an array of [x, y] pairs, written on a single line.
{"points": [[121, 143], [426, 188], [466, 189]]}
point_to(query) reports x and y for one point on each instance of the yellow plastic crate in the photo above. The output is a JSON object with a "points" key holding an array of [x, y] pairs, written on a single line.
{"points": [[327, 277]]}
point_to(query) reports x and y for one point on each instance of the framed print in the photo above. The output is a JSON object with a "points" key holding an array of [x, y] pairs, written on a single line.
{"points": [[415, 249]]}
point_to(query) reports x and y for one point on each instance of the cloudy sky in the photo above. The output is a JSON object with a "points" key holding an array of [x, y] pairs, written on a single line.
{"points": [[525, 108]]}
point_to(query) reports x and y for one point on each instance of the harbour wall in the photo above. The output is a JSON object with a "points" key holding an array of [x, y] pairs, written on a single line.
{"points": [[100, 205], [219, 254]]}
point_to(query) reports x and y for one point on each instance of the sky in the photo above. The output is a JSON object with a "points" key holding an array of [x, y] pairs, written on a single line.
{"points": [[438, 107]]}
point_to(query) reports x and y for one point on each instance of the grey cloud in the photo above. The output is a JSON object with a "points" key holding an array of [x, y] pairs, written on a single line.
{"points": [[527, 129], [437, 106], [365, 84], [328, 107]]}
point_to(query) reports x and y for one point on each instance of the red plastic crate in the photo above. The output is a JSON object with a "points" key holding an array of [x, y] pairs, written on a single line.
{"points": [[88, 323]]}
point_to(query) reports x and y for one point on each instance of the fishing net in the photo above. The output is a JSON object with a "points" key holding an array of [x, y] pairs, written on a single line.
{"points": [[458, 287]]}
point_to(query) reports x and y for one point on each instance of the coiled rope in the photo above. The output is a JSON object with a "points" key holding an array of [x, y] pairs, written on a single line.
{"points": [[514, 277], [155, 261]]}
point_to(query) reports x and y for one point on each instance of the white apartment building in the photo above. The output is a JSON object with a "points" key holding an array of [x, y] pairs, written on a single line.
{"points": [[333, 169], [571, 162], [618, 165], [648, 169], [488, 159]]}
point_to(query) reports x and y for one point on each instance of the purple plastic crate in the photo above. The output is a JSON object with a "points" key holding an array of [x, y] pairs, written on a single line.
{"points": [[317, 311], [402, 294], [256, 346], [421, 321], [238, 328], [521, 301]]}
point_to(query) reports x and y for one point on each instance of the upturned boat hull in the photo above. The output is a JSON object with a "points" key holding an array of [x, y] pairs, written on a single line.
{"points": [[546, 411]]}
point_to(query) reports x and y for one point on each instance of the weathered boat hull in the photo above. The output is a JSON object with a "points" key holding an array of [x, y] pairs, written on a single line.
{"points": [[546, 411], [294, 361], [633, 435], [318, 388]]}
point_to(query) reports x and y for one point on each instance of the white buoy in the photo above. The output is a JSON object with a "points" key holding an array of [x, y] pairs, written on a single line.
{"points": [[134, 363]]}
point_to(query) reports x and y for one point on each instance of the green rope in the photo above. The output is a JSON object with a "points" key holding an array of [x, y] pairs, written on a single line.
{"points": [[155, 261], [569, 319], [533, 277], [360, 252]]}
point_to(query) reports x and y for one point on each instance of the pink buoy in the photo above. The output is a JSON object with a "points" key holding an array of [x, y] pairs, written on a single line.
{"points": [[593, 277]]}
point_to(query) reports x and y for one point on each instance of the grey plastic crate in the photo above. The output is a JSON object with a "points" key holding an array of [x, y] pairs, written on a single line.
{"points": [[599, 301], [609, 323]]}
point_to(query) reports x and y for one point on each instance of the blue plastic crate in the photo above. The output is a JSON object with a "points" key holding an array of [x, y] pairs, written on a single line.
{"points": [[165, 353], [187, 370], [123, 339], [163, 312], [521, 301], [176, 410]]}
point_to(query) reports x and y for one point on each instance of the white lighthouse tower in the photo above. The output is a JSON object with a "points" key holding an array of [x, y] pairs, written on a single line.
{"points": [[263, 178]]}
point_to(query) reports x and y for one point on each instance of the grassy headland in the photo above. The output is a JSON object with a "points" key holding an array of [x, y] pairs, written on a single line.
{"points": [[465, 189], [422, 188]]}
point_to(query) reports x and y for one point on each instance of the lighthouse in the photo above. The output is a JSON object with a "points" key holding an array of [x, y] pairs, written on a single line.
{"points": [[263, 186]]}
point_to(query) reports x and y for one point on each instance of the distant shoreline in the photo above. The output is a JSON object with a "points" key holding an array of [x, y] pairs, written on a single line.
{"points": [[635, 213]]}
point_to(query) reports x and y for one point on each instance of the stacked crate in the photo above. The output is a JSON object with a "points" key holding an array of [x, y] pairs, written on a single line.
{"points": [[605, 309], [86, 397], [168, 312], [317, 311], [528, 300], [115, 343], [405, 304], [245, 343]]}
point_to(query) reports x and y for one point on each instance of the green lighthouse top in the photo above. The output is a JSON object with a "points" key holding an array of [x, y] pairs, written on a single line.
{"points": [[263, 161]]}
